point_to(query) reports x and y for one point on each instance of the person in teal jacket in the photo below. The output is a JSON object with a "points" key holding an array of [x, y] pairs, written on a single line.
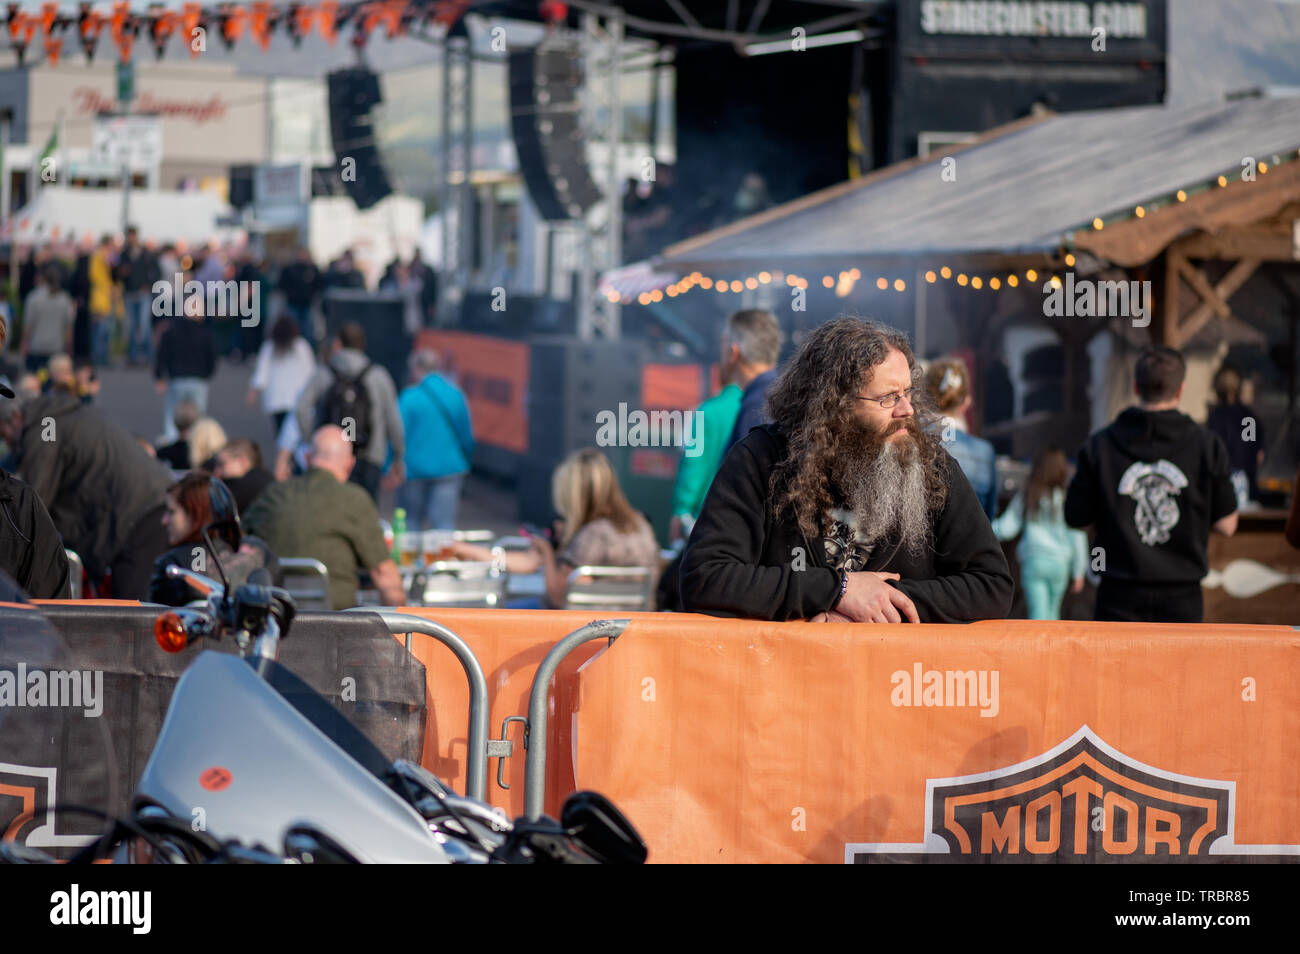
{"points": [[439, 445], [716, 417], [1051, 555]]}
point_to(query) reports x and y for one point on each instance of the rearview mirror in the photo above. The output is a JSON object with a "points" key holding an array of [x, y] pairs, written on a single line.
{"points": [[592, 820]]}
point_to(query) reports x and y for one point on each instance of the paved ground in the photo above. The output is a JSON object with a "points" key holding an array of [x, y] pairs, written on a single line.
{"points": [[128, 395]]}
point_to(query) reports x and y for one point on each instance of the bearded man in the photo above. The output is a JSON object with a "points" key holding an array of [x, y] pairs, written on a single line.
{"points": [[845, 508]]}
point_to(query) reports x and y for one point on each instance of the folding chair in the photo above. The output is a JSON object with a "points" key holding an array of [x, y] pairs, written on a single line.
{"points": [[612, 588], [308, 582]]}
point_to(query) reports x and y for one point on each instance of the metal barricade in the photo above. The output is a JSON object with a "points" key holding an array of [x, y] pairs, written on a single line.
{"points": [[535, 726], [619, 589], [477, 735], [76, 572], [307, 581]]}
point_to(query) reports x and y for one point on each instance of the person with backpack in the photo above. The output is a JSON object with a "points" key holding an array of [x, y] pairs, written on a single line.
{"points": [[436, 418], [354, 393]]}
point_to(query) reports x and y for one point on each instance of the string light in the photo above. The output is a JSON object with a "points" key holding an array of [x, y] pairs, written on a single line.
{"points": [[1223, 182], [1069, 260], [994, 284], [946, 272], [1031, 275], [1013, 281], [899, 285], [764, 277], [962, 279], [929, 277], [1097, 224], [882, 284], [976, 283], [1140, 212], [1181, 196], [828, 282]]}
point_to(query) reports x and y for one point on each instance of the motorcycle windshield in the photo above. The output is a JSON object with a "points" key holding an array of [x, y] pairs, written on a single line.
{"points": [[58, 774], [318, 710]]}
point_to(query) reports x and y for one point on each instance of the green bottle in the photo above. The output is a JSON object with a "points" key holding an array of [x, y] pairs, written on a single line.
{"points": [[399, 530]]}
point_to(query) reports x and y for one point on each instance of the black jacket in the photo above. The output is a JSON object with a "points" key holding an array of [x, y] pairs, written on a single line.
{"points": [[31, 550], [1152, 483], [96, 481], [253, 555], [741, 559], [138, 270], [248, 488], [300, 282], [186, 350]]}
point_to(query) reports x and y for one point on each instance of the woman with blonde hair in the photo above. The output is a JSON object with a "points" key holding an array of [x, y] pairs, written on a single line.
{"points": [[599, 528], [206, 439], [949, 385]]}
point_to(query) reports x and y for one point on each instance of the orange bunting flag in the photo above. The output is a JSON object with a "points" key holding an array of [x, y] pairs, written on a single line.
{"points": [[190, 14], [48, 12], [329, 9], [236, 20], [124, 43], [53, 48], [260, 23], [392, 16], [304, 17], [118, 20], [91, 24], [21, 29]]}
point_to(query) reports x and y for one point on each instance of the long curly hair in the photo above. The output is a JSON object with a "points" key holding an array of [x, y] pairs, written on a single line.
{"points": [[814, 399]]}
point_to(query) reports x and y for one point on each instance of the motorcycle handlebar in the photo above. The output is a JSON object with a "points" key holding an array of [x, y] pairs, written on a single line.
{"points": [[204, 584]]}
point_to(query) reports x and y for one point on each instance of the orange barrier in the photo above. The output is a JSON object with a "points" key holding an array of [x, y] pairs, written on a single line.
{"points": [[763, 742]]}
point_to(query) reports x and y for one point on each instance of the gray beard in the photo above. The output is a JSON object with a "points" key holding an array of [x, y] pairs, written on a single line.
{"points": [[886, 493]]}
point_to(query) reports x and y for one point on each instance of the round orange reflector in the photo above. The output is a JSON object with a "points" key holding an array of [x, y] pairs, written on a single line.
{"points": [[169, 632]]}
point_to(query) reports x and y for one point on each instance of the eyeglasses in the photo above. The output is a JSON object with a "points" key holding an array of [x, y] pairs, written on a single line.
{"points": [[889, 400]]}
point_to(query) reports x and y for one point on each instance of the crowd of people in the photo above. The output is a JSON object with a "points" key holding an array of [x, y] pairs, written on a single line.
{"points": [[94, 300], [842, 486], [77, 481]]}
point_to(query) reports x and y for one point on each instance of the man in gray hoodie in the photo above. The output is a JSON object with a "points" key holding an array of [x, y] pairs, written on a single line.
{"points": [[359, 396]]}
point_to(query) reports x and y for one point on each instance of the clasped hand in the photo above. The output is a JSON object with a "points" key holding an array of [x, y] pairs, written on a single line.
{"points": [[870, 599]]}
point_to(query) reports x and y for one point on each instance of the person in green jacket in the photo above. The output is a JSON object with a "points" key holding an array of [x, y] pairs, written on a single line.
{"points": [[717, 417], [1051, 555]]}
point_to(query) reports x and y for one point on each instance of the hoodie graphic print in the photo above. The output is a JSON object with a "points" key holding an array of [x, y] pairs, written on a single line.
{"points": [[1154, 489]]}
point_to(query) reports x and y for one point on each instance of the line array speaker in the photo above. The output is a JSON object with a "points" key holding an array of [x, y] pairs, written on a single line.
{"points": [[544, 120], [352, 95]]}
